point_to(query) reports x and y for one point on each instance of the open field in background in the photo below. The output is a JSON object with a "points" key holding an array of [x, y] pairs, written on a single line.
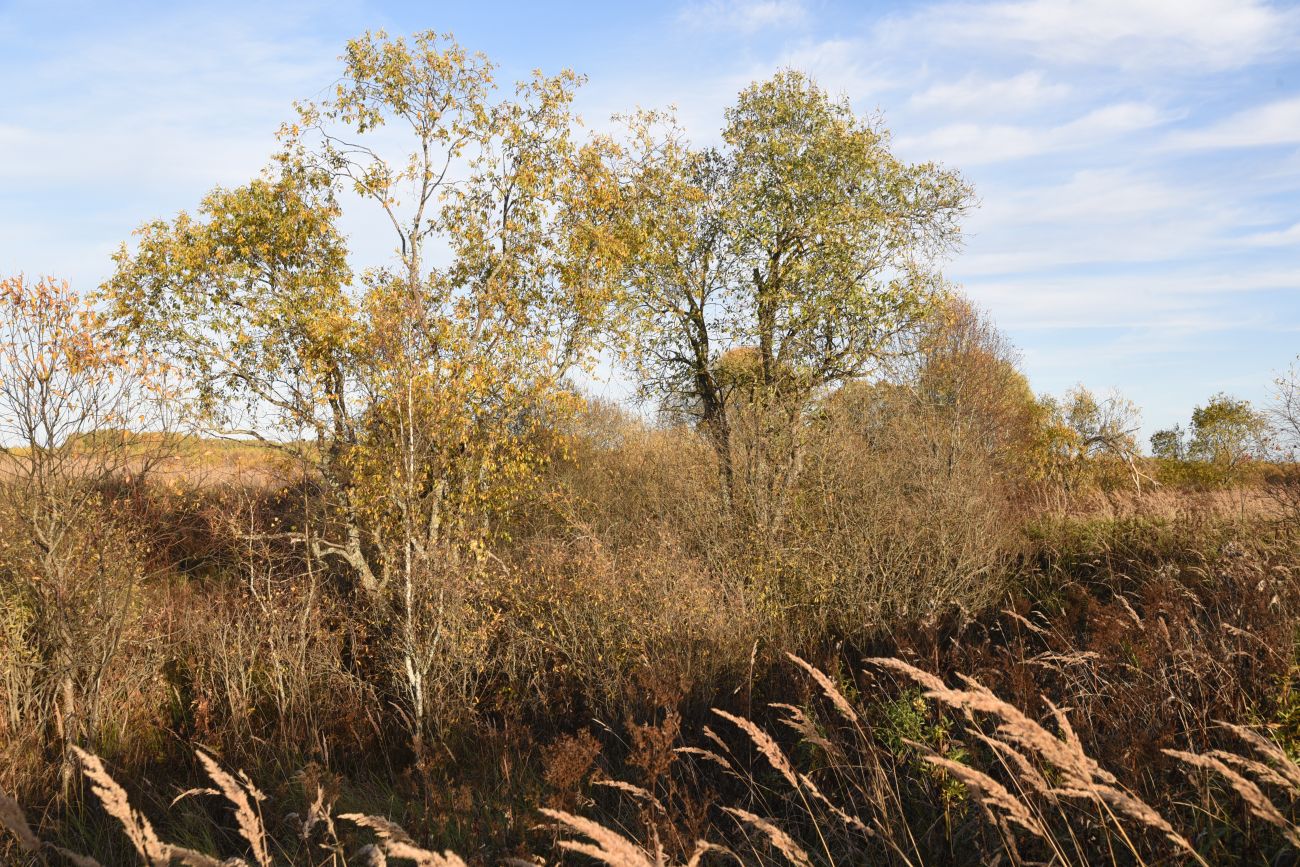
{"points": [[192, 460], [207, 462]]}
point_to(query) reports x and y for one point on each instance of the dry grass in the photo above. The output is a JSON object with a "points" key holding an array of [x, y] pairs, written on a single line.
{"points": [[1119, 828], [838, 809], [394, 842], [1031, 746], [1270, 767], [651, 667]]}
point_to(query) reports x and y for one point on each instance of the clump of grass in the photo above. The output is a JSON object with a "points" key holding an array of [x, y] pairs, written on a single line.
{"points": [[848, 804], [837, 798], [243, 796], [1250, 777], [1028, 745]]}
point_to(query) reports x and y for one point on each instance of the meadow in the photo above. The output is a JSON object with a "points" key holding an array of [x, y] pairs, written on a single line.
{"points": [[310, 561], [937, 676]]}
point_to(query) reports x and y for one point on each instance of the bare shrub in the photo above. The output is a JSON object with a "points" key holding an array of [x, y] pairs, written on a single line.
{"points": [[908, 496], [902, 516], [79, 419]]}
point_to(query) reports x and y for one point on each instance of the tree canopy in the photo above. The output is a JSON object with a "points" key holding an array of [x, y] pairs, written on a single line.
{"points": [[801, 240]]}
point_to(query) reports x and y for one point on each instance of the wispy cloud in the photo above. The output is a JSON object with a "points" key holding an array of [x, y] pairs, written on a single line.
{"points": [[1138, 161], [1017, 94], [844, 66], [1275, 123], [742, 16], [1194, 34], [967, 144], [1098, 217], [104, 131], [1288, 237], [1133, 300]]}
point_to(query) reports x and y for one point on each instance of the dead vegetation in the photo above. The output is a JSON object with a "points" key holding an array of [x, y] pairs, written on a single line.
{"points": [[856, 595], [648, 684], [637, 670]]}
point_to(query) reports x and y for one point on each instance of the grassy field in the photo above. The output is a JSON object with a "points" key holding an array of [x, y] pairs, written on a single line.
{"points": [[1113, 682]]}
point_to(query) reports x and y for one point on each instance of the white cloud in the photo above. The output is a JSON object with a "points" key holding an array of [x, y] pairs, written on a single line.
{"points": [[842, 66], [1099, 217], [103, 132], [159, 155], [975, 93], [743, 16], [1176, 298], [1281, 238], [1276, 123], [1110, 120], [966, 144], [178, 101], [1199, 34], [1104, 256]]}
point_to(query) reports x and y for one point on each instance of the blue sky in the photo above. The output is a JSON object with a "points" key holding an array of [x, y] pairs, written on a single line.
{"points": [[1137, 161]]}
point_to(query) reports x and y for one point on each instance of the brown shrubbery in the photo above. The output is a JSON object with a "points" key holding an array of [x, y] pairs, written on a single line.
{"points": [[1116, 661], [641, 613], [615, 665], [1129, 704]]}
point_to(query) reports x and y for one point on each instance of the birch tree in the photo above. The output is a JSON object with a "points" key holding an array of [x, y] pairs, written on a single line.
{"points": [[420, 388]]}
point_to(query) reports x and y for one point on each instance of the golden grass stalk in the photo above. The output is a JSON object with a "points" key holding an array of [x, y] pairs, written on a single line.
{"points": [[395, 842], [703, 847], [713, 736], [1081, 776], [320, 812], [422, 857], [768, 747], [189, 793], [799, 782], [607, 846], [1282, 762], [237, 792], [634, 791], [11, 817], [992, 794], [828, 688], [1251, 795], [190, 858], [1262, 772], [385, 829], [779, 839], [1025, 622], [113, 798], [797, 720], [709, 756]]}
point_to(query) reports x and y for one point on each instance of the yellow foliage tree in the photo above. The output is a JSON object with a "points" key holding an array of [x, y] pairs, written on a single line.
{"points": [[802, 239], [420, 393]]}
